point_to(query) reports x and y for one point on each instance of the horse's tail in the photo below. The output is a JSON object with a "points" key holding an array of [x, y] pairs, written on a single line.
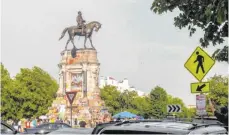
{"points": [[63, 33]]}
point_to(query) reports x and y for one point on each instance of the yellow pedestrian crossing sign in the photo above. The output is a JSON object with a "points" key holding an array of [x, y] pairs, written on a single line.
{"points": [[199, 63], [199, 87]]}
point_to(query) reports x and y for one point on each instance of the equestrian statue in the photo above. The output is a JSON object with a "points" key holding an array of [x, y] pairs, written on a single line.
{"points": [[82, 29]]}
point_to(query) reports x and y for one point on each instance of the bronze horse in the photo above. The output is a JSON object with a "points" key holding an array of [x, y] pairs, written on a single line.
{"points": [[88, 30]]}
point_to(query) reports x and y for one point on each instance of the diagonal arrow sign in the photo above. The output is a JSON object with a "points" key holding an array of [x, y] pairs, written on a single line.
{"points": [[200, 87]]}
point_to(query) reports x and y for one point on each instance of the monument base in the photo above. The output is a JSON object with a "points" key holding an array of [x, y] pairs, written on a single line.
{"points": [[79, 74]]}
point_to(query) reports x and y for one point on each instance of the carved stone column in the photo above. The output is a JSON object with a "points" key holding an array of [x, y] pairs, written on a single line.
{"points": [[85, 78]]}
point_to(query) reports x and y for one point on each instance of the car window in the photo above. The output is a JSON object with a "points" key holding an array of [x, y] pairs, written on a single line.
{"points": [[44, 126], [65, 126], [54, 126], [6, 130], [59, 125]]}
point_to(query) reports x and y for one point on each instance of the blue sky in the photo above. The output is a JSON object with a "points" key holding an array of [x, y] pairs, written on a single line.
{"points": [[133, 43]]}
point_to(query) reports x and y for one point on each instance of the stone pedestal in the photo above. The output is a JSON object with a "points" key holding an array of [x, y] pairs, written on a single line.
{"points": [[80, 74]]}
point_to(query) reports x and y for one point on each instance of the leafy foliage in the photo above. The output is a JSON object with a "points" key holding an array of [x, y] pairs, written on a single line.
{"points": [[218, 92], [209, 15], [153, 105], [143, 106], [111, 97], [36, 91], [125, 101], [219, 89], [28, 95], [186, 112], [9, 108], [158, 97]]}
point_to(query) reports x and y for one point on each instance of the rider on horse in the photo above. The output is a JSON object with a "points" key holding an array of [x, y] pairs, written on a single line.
{"points": [[80, 22]]}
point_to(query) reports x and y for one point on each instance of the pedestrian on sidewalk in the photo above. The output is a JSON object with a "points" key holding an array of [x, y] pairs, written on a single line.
{"points": [[27, 123], [57, 120], [82, 124], [19, 126], [34, 122]]}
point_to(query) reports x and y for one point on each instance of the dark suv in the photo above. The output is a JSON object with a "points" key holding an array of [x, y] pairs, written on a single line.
{"points": [[162, 127]]}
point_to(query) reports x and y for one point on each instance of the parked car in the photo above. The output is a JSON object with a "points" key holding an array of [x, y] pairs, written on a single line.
{"points": [[68, 131], [99, 127], [162, 127], [7, 129], [46, 128]]}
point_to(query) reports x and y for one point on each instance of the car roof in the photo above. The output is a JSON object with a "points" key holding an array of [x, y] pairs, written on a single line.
{"points": [[165, 126], [100, 126], [73, 131], [161, 127], [216, 129]]}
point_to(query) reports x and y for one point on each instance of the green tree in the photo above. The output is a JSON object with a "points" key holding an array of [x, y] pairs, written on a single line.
{"points": [[218, 91], [158, 97], [142, 106], [111, 97], [117, 101], [185, 112], [209, 15], [126, 99], [35, 91], [9, 108], [191, 112]]}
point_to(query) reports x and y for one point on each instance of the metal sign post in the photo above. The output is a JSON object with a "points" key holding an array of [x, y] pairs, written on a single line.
{"points": [[71, 96], [201, 105], [199, 64], [71, 113]]}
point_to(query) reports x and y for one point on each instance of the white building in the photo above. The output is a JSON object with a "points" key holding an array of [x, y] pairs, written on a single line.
{"points": [[121, 85], [104, 81]]}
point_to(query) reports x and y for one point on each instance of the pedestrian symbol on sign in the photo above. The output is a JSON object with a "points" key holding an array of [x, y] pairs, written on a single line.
{"points": [[200, 60], [199, 63]]}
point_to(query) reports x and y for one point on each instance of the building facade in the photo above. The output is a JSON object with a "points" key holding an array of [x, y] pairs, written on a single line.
{"points": [[120, 85]]}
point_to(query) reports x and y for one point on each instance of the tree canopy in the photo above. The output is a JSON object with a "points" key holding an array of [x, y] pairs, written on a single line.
{"points": [[209, 15], [219, 89], [218, 92], [28, 95], [159, 100], [154, 105], [9, 109], [111, 97]]}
